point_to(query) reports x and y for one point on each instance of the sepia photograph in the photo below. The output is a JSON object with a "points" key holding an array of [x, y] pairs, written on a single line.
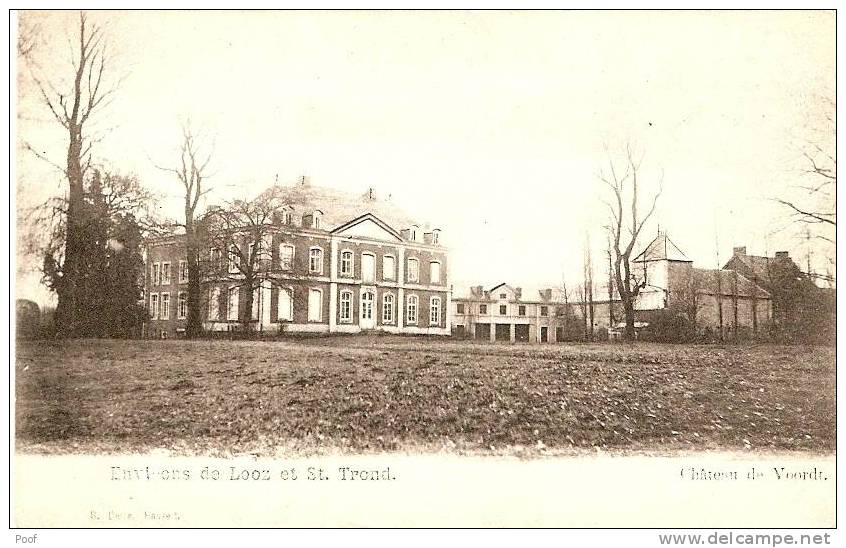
{"points": [[439, 269]]}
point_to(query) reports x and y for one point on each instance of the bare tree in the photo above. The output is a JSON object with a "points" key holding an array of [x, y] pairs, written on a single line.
{"points": [[73, 107], [191, 172], [626, 223], [242, 232], [810, 202], [610, 256], [587, 271]]}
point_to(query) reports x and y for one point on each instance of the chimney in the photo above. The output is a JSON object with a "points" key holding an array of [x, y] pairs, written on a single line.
{"points": [[427, 237], [782, 255], [305, 180], [518, 292], [740, 250]]}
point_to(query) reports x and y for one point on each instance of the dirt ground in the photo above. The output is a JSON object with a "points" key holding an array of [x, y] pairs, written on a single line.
{"points": [[373, 394]]}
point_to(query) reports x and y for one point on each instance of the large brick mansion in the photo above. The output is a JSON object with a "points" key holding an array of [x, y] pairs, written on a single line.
{"points": [[338, 263]]}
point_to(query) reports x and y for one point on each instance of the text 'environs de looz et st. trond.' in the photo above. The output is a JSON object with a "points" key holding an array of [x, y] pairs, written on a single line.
{"points": [[247, 473]]}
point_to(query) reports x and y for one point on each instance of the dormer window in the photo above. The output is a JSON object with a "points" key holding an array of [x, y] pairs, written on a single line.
{"points": [[413, 233], [313, 219], [436, 235]]}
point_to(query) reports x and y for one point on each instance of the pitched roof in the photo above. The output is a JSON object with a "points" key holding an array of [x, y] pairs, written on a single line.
{"points": [[706, 280], [368, 217], [660, 249], [761, 266], [338, 207]]}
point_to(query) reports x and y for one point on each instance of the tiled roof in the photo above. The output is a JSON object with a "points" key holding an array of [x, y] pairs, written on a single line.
{"points": [[761, 266], [706, 281], [338, 207], [661, 248]]}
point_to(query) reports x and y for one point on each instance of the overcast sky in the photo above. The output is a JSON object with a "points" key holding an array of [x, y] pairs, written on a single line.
{"points": [[492, 126]]}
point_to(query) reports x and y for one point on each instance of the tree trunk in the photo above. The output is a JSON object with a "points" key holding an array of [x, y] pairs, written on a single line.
{"points": [[628, 309], [194, 326], [71, 308], [247, 317]]}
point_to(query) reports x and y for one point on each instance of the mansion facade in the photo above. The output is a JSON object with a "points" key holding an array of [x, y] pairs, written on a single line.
{"points": [[331, 263]]}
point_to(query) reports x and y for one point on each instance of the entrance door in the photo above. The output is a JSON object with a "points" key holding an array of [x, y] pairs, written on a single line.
{"points": [[544, 334], [367, 320]]}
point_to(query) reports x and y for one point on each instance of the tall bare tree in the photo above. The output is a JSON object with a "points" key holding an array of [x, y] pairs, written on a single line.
{"points": [[191, 171], [610, 256], [242, 232], [818, 178], [587, 285], [626, 223], [73, 106]]}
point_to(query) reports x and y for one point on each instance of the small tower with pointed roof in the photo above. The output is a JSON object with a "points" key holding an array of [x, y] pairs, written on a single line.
{"points": [[663, 267]]}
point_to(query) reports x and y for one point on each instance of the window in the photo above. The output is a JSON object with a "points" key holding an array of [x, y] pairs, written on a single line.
{"points": [[368, 267], [413, 234], [286, 256], [483, 309], [346, 307], [388, 308], [315, 305], [413, 270], [503, 295], [214, 303], [154, 306], [503, 309], [346, 263], [459, 308], [435, 234], [165, 273], [214, 257], [234, 259], [521, 310], [266, 249], [165, 310], [435, 311], [285, 306], [411, 309], [232, 303], [157, 270], [183, 272], [182, 305], [434, 272], [315, 260], [388, 267], [544, 311], [289, 218], [316, 219]]}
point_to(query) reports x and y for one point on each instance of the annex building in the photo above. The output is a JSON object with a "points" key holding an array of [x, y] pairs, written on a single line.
{"points": [[333, 263]]}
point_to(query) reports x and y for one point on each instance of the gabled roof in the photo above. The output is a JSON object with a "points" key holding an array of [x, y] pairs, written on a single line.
{"points": [[368, 218], [707, 281], [494, 288], [661, 249], [761, 266]]}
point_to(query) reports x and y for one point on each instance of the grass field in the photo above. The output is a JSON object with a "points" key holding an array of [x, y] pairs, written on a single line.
{"points": [[363, 394]]}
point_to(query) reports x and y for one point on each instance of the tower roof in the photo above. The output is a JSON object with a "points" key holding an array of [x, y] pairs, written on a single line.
{"points": [[662, 249]]}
